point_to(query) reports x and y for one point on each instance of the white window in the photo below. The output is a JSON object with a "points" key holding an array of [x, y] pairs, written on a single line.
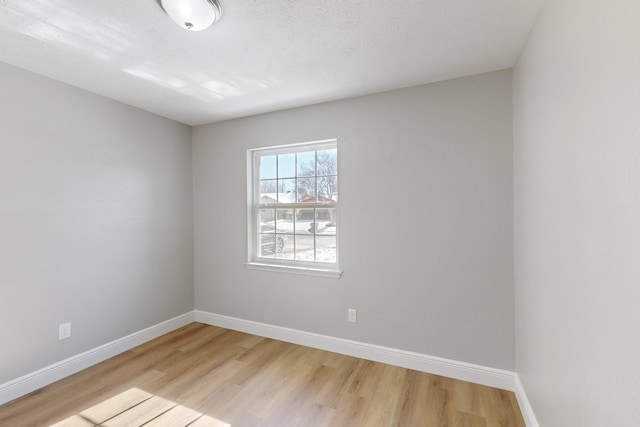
{"points": [[293, 208]]}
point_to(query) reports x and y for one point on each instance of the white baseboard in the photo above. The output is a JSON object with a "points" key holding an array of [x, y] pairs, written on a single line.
{"points": [[525, 406], [26, 384], [420, 362], [492, 377]]}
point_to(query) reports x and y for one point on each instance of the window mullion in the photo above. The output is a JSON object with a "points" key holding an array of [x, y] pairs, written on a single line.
{"points": [[315, 241]]}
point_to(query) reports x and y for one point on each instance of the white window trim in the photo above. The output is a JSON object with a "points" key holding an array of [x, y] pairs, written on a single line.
{"points": [[282, 265]]}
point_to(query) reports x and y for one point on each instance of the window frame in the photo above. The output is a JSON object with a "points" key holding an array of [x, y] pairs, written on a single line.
{"points": [[254, 261]]}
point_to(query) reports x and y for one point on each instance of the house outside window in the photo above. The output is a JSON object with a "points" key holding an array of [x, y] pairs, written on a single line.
{"points": [[293, 208]]}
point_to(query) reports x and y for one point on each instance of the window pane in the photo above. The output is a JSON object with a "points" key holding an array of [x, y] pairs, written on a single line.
{"points": [[328, 162], [304, 248], [326, 221], [307, 163], [267, 167], [307, 190], [326, 249], [284, 221], [327, 189], [268, 191], [286, 190], [304, 221], [286, 244], [267, 244], [266, 220], [287, 165], [284, 231]]}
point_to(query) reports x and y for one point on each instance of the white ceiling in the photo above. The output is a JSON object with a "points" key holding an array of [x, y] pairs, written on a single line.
{"points": [[262, 55]]}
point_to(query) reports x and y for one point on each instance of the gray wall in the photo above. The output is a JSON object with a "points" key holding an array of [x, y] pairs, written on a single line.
{"points": [[425, 213], [577, 214], [96, 220]]}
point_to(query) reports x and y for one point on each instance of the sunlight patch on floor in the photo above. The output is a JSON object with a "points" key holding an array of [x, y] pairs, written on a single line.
{"points": [[134, 408]]}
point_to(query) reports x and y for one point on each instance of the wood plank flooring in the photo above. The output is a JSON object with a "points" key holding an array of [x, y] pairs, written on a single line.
{"points": [[205, 376]]}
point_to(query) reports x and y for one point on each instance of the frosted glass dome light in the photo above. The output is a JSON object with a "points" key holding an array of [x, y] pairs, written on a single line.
{"points": [[193, 15]]}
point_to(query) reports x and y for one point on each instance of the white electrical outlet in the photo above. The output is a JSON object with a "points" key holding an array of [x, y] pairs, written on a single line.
{"points": [[352, 315], [64, 331]]}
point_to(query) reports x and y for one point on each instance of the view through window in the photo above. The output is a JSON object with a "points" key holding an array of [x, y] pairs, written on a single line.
{"points": [[295, 202]]}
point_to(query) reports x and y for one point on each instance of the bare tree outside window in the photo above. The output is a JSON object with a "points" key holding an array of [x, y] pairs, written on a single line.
{"points": [[324, 170]]}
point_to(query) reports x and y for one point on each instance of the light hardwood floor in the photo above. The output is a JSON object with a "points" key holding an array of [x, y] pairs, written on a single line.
{"points": [[202, 375]]}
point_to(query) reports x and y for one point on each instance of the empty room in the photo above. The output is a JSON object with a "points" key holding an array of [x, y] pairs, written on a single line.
{"points": [[319, 213]]}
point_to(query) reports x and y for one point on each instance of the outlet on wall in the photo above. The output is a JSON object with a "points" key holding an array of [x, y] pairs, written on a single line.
{"points": [[352, 315], [64, 331]]}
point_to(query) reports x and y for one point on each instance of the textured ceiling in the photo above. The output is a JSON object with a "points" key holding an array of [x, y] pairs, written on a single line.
{"points": [[262, 55]]}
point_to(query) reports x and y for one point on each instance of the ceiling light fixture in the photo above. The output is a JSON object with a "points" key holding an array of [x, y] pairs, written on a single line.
{"points": [[194, 15]]}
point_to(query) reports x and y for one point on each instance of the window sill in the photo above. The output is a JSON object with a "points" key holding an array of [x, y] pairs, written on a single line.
{"points": [[306, 271]]}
